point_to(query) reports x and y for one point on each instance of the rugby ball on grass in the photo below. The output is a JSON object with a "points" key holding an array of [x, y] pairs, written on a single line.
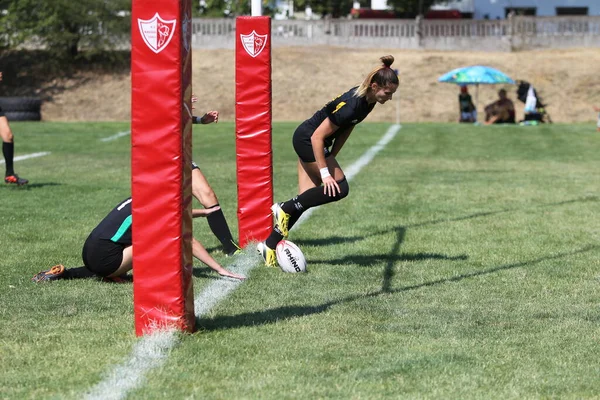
{"points": [[290, 257]]}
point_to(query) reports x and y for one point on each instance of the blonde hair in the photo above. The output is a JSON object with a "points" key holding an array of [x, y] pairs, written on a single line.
{"points": [[382, 75]]}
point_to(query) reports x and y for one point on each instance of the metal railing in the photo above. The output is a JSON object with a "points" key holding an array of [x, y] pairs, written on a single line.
{"points": [[513, 33]]}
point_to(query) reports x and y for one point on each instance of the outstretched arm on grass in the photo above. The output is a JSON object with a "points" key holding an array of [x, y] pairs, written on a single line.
{"points": [[201, 254]]}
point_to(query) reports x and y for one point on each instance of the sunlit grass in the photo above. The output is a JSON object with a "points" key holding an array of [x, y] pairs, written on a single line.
{"points": [[463, 264]]}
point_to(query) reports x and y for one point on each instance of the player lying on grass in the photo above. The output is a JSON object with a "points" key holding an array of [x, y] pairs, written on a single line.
{"points": [[204, 193], [317, 141], [108, 250]]}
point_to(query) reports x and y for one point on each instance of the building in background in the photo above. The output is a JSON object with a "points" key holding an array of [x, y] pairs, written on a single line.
{"points": [[476, 9], [499, 9], [464, 7], [379, 5], [285, 9]]}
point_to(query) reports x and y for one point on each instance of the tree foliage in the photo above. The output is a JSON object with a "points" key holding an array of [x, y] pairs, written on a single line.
{"points": [[64, 26], [67, 26]]}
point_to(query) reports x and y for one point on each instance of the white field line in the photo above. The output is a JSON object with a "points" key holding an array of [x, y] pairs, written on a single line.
{"points": [[26, 156], [152, 350], [116, 136]]}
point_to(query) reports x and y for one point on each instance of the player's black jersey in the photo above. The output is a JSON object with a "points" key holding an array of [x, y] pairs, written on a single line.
{"points": [[344, 111], [116, 226]]}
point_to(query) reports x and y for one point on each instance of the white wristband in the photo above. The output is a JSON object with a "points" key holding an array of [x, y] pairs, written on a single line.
{"points": [[324, 172]]}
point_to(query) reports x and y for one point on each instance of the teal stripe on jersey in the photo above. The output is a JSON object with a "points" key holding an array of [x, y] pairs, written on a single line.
{"points": [[124, 226]]}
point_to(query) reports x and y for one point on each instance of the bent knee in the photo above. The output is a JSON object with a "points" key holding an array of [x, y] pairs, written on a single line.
{"points": [[5, 132], [344, 188], [205, 195]]}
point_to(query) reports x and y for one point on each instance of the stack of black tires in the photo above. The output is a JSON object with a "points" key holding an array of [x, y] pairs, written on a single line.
{"points": [[21, 108]]}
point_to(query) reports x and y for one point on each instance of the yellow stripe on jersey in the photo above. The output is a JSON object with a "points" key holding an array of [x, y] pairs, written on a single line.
{"points": [[342, 104]]}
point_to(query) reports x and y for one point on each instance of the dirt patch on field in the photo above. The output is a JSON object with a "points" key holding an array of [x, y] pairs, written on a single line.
{"points": [[304, 78]]}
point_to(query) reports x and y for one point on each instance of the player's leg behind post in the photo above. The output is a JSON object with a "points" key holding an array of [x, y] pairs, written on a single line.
{"points": [[204, 193]]}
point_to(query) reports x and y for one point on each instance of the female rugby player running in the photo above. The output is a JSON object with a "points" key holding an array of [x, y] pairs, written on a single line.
{"points": [[108, 250], [317, 141]]}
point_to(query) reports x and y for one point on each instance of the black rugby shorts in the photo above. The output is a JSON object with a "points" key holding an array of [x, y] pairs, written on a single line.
{"points": [[102, 256], [303, 146]]}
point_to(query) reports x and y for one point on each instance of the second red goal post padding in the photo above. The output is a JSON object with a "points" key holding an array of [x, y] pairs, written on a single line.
{"points": [[253, 119]]}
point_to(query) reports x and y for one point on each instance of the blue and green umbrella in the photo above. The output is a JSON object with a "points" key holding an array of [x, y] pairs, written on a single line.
{"points": [[476, 75]]}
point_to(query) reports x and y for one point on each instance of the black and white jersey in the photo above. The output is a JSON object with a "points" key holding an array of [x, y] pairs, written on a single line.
{"points": [[116, 226], [344, 111]]}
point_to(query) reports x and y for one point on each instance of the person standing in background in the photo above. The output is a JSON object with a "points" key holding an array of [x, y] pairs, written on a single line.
{"points": [[8, 150], [466, 108]]}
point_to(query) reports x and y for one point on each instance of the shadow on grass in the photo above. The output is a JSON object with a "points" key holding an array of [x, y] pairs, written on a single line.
{"points": [[30, 186], [213, 249], [205, 273], [351, 239], [395, 255], [390, 259], [277, 314], [506, 210], [369, 260], [485, 271]]}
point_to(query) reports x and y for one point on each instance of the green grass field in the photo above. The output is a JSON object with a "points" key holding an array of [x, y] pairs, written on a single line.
{"points": [[463, 265]]}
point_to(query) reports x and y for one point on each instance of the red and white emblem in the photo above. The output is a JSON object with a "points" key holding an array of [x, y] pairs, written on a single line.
{"points": [[157, 32], [254, 43]]}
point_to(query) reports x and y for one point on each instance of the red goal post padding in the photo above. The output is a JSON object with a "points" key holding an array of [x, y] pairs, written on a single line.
{"points": [[253, 128], [161, 130]]}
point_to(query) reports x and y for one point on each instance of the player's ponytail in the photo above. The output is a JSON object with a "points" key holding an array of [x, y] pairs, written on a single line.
{"points": [[382, 75]]}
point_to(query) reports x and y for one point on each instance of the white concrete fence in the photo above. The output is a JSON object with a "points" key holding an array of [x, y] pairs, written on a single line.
{"points": [[512, 34]]}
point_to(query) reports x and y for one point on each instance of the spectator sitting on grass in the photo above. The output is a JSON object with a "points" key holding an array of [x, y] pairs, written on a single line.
{"points": [[502, 111]]}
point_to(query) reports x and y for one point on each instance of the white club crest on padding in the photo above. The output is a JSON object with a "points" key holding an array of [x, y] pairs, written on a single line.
{"points": [[254, 43], [157, 32]]}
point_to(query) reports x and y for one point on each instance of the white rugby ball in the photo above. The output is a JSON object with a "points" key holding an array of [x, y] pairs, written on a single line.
{"points": [[290, 257]]}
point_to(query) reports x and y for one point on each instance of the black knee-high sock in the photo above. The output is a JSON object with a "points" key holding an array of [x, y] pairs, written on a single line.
{"points": [[276, 236], [8, 150], [296, 206], [79, 273], [218, 226], [293, 219], [314, 197], [295, 211]]}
